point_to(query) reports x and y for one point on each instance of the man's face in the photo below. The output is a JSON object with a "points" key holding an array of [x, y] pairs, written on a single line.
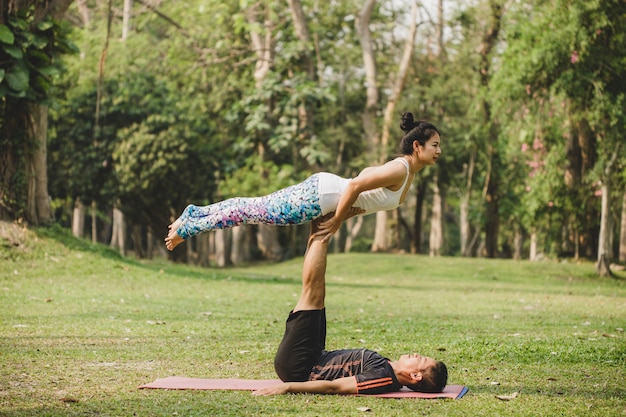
{"points": [[414, 362]]}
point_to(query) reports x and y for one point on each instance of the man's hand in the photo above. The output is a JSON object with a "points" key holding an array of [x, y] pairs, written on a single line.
{"points": [[273, 390]]}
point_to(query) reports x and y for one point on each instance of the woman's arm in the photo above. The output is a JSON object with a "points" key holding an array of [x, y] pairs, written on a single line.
{"points": [[389, 175], [345, 385]]}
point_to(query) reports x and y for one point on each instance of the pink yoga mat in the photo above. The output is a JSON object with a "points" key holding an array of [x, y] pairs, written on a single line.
{"points": [[179, 382]]}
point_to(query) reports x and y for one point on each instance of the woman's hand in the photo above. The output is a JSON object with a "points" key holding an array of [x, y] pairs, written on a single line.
{"points": [[327, 229], [330, 223]]}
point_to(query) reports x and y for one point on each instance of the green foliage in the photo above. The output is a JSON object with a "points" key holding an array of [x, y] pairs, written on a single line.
{"points": [[277, 125], [29, 52], [258, 178], [81, 150], [157, 167], [154, 146], [572, 47]]}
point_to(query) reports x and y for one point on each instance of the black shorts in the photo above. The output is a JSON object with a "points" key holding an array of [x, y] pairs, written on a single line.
{"points": [[302, 345]]}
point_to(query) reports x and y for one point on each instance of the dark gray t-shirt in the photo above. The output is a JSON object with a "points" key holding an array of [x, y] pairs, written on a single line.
{"points": [[373, 373]]}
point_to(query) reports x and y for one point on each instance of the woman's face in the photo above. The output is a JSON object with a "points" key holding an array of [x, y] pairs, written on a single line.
{"points": [[429, 153]]}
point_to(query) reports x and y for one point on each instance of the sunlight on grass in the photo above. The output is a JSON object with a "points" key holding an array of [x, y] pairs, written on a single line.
{"points": [[82, 328]]}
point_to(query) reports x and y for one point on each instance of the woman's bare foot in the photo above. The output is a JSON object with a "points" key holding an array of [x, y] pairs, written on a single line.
{"points": [[173, 239], [175, 225]]}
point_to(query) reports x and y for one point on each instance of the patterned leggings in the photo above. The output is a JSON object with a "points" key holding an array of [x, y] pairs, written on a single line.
{"points": [[296, 204]]}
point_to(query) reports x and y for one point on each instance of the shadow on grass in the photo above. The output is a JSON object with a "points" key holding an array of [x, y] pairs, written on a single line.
{"points": [[65, 238], [237, 275]]}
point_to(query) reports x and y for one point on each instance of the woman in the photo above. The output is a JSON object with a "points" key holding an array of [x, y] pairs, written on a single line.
{"points": [[375, 189]]}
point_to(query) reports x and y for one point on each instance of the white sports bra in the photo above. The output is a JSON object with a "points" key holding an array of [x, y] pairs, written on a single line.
{"points": [[331, 188]]}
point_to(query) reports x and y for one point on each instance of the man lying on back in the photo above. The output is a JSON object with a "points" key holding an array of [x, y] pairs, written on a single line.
{"points": [[304, 366]]}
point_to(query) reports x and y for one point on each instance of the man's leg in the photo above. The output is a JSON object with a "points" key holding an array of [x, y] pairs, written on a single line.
{"points": [[305, 329], [313, 273]]}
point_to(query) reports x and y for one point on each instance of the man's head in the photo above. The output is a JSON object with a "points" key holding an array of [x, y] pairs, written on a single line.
{"points": [[421, 373]]}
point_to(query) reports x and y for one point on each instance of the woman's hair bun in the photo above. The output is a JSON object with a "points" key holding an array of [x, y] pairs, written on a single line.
{"points": [[407, 124]]}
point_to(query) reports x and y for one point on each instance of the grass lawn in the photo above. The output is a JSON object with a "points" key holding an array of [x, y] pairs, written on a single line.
{"points": [[81, 328]]}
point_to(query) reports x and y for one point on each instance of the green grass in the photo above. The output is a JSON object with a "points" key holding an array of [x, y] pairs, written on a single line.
{"points": [[81, 328]]}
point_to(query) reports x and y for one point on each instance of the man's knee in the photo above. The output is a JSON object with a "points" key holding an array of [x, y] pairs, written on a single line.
{"points": [[288, 374]]}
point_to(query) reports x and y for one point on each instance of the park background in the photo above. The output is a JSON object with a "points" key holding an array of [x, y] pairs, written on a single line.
{"points": [[504, 262]]}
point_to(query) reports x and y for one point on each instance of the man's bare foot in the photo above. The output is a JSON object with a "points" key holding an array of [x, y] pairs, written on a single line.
{"points": [[173, 239]]}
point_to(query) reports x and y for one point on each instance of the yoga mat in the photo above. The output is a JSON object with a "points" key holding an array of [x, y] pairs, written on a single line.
{"points": [[179, 382]]}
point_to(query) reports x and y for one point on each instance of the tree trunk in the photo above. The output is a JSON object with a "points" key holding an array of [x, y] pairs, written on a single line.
{"points": [[264, 48], [353, 226], [149, 243], [9, 165], [128, 8], [136, 236], [94, 223], [398, 226], [518, 243], [622, 238], [420, 197], [490, 193], [38, 205], [222, 247], [267, 239], [83, 11], [241, 241], [78, 219], [302, 32], [440, 29], [572, 177], [492, 213], [405, 244], [118, 234], [203, 247], [361, 24], [38, 118], [380, 243], [587, 146], [604, 240], [533, 246], [436, 221], [604, 244], [305, 114], [465, 226]]}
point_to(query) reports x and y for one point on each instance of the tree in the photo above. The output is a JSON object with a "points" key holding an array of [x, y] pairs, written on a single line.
{"points": [[573, 50], [491, 189], [622, 242], [31, 41], [390, 116]]}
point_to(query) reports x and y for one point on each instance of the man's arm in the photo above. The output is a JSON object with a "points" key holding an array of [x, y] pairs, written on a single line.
{"points": [[345, 385]]}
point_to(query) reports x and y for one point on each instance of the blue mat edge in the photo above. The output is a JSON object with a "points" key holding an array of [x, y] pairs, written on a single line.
{"points": [[462, 393]]}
